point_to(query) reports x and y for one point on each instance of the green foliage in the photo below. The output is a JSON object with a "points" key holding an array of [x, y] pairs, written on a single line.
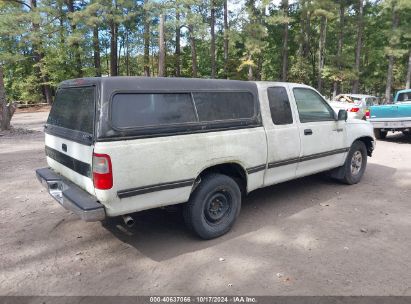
{"points": [[43, 45]]}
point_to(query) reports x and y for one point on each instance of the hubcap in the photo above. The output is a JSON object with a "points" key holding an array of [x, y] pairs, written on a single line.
{"points": [[356, 162], [217, 206]]}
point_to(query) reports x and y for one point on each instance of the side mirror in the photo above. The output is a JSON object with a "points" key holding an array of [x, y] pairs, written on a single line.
{"points": [[342, 115]]}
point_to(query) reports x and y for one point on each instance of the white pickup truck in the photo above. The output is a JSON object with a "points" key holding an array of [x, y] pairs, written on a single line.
{"points": [[119, 145]]}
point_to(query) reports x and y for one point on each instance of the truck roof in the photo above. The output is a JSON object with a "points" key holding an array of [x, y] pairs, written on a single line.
{"points": [[161, 83], [404, 91], [170, 83]]}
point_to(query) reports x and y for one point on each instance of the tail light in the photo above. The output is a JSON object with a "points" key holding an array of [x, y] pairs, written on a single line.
{"points": [[102, 171], [355, 109], [367, 114]]}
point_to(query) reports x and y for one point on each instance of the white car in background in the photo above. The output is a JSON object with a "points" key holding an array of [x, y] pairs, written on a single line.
{"points": [[356, 105]]}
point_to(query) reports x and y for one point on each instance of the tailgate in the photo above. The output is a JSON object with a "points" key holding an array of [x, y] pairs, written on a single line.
{"points": [[69, 135], [70, 159]]}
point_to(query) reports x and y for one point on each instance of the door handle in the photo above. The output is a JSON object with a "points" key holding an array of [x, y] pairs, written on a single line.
{"points": [[308, 132]]}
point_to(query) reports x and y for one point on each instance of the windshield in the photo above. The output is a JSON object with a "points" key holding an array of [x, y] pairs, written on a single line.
{"points": [[73, 109]]}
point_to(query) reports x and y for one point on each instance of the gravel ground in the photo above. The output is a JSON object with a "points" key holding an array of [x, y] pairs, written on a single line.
{"points": [[311, 236]]}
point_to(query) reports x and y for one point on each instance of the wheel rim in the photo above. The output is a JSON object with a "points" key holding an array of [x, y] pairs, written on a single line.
{"points": [[217, 206], [356, 163]]}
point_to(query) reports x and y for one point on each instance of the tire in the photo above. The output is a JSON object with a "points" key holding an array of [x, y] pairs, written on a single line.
{"points": [[213, 206], [355, 163], [380, 134]]}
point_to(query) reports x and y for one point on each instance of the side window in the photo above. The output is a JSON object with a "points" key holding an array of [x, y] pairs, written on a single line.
{"points": [[133, 110], [279, 106], [215, 106], [311, 106]]}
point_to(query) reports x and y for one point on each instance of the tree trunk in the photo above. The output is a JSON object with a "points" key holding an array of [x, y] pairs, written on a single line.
{"points": [[127, 53], [107, 60], [339, 48], [47, 90], [389, 79], [408, 80], [321, 51], [285, 43], [120, 42], [61, 24], [193, 51], [96, 52], [113, 49], [250, 75], [146, 44], [212, 47], [6, 111], [395, 21], [178, 46], [162, 50], [360, 28], [259, 70], [307, 33], [302, 30], [225, 40], [76, 45], [38, 58]]}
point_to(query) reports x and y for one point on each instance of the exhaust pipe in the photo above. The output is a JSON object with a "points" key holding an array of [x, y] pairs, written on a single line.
{"points": [[128, 220]]}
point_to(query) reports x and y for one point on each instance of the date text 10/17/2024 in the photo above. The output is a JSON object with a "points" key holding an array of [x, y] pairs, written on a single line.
{"points": [[203, 299]]}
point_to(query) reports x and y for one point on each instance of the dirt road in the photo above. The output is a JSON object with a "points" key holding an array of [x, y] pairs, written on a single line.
{"points": [[311, 236]]}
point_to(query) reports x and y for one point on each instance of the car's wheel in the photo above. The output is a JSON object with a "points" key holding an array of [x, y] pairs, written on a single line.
{"points": [[213, 206], [355, 163], [380, 134]]}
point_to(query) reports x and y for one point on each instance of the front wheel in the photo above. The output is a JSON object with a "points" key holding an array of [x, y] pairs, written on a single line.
{"points": [[213, 206], [380, 134], [355, 163]]}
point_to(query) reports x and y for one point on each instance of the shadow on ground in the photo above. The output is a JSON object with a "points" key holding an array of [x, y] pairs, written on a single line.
{"points": [[154, 228], [398, 138]]}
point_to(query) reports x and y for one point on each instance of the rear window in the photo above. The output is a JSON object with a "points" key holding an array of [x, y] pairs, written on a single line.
{"points": [[73, 109], [406, 96], [133, 110], [215, 106]]}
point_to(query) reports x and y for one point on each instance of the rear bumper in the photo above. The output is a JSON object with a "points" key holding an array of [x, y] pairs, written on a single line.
{"points": [[391, 124], [70, 196]]}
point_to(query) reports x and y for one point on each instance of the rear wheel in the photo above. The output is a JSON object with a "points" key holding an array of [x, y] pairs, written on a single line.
{"points": [[380, 134], [213, 206], [355, 163]]}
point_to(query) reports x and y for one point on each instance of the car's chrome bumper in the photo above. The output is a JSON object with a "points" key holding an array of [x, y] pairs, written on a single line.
{"points": [[70, 196], [391, 123]]}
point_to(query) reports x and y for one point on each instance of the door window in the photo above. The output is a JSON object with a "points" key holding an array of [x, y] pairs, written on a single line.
{"points": [[311, 106]]}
